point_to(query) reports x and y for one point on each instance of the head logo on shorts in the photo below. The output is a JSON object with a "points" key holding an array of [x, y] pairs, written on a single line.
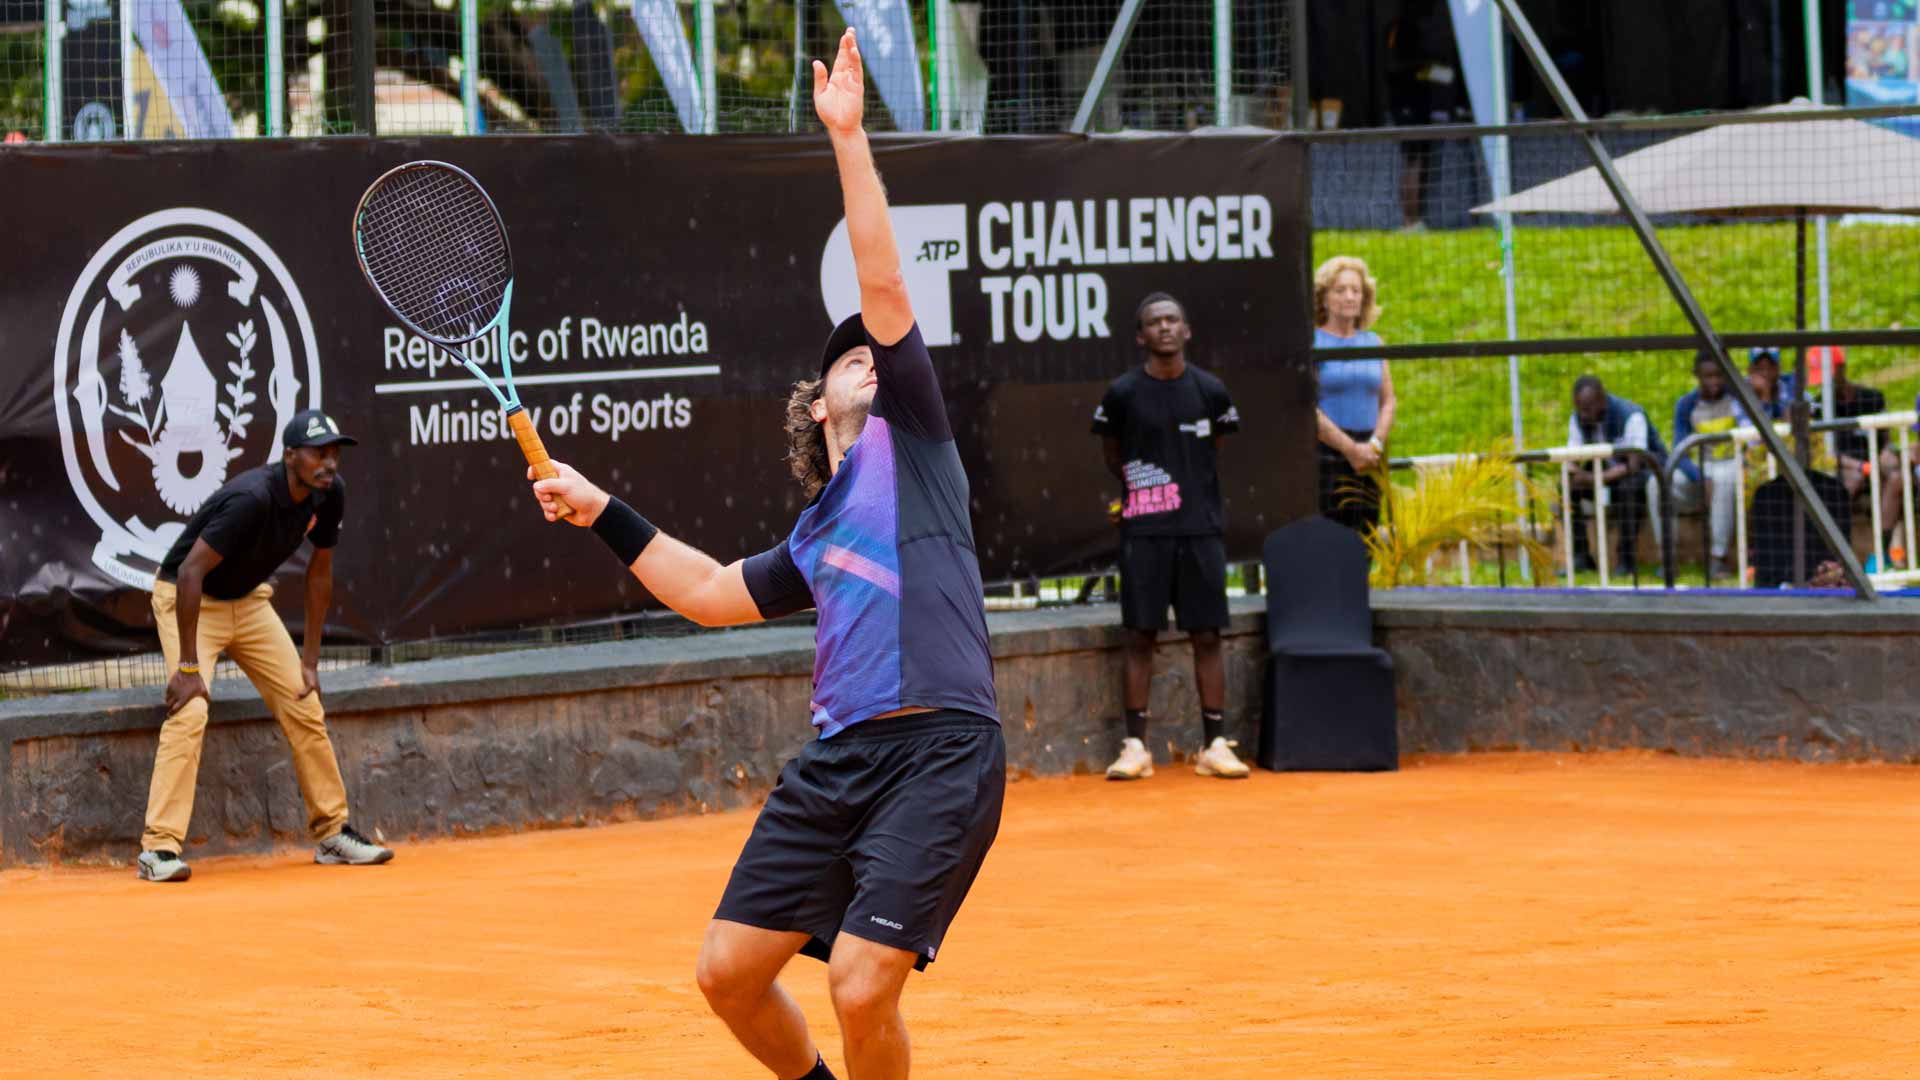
{"points": [[184, 349], [933, 244]]}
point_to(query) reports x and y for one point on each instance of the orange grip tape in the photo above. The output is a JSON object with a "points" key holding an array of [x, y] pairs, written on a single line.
{"points": [[536, 453]]}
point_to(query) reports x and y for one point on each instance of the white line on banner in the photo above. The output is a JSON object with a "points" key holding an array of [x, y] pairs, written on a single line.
{"points": [[538, 380]]}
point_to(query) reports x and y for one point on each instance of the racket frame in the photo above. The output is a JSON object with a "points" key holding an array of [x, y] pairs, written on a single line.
{"points": [[516, 414], [454, 347]]}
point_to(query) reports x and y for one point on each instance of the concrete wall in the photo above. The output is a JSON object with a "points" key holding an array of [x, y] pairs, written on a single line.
{"points": [[1794, 678], [591, 734], [555, 738]]}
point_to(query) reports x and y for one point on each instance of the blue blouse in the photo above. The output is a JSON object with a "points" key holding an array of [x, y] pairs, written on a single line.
{"points": [[1350, 389]]}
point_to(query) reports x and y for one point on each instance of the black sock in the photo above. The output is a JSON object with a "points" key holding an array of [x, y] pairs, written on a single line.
{"points": [[820, 1070], [1214, 725], [1137, 724]]}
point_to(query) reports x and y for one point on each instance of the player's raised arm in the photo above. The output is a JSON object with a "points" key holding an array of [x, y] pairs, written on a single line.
{"points": [[681, 576], [839, 97]]}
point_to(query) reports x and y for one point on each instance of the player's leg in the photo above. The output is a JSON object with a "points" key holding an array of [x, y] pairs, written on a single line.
{"points": [[1627, 508], [1200, 601], [1892, 501], [263, 649], [866, 978], [737, 971], [929, 790], [176, 764], [1723, 477], [1583, 516], [1139, 676], [788, 892], [1146, 585]]}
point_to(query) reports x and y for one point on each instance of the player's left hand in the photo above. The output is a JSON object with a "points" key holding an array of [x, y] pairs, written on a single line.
{"points": [[309, 681], [840, 98]]}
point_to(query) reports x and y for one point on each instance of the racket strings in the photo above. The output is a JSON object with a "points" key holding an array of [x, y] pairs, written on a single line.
{"points": [[435, 249]]}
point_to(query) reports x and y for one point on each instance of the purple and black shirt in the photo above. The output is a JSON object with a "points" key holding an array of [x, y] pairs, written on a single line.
{"points": [[885, 552]]}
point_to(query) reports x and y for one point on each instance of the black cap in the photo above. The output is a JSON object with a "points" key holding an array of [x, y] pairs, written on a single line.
{"points": [[851, 334], [311, 427]]}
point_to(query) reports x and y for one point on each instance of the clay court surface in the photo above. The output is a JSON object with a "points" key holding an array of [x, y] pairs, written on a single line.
{"points": [[1618, 915]]}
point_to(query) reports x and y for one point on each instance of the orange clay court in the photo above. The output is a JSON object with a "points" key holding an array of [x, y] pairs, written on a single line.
{"points": [[1532, 915]]}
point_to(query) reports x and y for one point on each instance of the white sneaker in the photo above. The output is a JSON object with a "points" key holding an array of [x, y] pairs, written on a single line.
{"points": [[348, 848], [1134, 762], [162, 866], [1219, 760]]}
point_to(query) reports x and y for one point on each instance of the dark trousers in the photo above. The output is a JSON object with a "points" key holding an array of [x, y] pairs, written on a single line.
{"points": [[1347, 497], [1626, 511]]}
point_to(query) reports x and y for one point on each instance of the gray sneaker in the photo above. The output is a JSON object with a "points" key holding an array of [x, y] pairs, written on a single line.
{"points": [[163, 866], [348, 848]]}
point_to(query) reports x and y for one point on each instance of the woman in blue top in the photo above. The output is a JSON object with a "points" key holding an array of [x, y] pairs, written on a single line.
{"points": [[1356, 396]]}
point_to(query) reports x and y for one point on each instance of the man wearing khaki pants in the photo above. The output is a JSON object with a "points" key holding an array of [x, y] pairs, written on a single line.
{"points": [[211, 596]]}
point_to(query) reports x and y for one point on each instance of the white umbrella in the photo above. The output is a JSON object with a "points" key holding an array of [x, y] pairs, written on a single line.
{"points": [[1812, 166]]}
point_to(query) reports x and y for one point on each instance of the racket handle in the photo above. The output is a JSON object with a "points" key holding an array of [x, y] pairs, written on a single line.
{"points": [[536, 453]]}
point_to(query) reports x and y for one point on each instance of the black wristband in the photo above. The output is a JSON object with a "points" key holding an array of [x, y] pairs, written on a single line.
{"points": [[624, 530]]}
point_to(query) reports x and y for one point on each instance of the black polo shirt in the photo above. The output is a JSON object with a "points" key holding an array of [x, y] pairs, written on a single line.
{"points": [[254, 524]]}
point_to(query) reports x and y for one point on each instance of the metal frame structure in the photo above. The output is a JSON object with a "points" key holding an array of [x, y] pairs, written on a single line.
{"points": [[1556, 85]]}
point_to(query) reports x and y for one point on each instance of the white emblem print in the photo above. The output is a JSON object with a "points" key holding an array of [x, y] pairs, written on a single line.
{"points": [[160, 361]]}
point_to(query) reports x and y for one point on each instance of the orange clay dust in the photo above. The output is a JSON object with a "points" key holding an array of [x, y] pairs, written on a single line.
{"points": [[1526, 916]]}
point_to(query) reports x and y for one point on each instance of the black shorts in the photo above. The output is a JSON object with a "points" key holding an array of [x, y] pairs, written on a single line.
{"points": [[878, 831], [1187, 572]]}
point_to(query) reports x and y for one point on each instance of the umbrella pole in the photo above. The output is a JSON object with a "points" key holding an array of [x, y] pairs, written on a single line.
{"points": [[1797, 405]]}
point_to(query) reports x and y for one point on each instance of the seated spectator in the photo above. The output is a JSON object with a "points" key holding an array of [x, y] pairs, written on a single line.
{"points": [[1893, 483], [1850, 399], [1770, 530], [1774, 390], [1704, 410], [1600, 417]]}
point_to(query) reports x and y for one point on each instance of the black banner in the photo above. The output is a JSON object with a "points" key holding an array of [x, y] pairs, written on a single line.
{"points": [[177, 303]]}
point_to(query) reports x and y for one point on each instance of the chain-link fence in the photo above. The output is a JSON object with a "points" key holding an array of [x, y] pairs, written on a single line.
{"points": [[1524, 313], [157, 69]]}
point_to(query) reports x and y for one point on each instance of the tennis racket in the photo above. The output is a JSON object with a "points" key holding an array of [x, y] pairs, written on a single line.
{"points": [[433, 247]]}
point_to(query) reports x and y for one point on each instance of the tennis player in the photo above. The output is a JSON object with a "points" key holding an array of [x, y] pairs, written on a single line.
{"points": [[870, 841]]}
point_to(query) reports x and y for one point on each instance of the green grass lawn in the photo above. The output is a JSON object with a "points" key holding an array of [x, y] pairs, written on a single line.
{"points": [[1597, 281]]}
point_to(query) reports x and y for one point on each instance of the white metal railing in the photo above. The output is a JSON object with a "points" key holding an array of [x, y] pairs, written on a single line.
{"points": [[1594, 456]]}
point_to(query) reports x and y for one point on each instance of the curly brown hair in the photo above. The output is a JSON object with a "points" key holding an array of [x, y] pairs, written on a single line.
{"points": [[807, 437]]}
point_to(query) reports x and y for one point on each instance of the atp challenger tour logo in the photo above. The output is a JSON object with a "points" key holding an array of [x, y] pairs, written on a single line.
{"points": [[184, 349], [1043, 258]]}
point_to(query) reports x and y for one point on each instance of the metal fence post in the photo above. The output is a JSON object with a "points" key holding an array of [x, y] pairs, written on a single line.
{"points": [[1817, 93], [128, 128], [364, 121], [1502, 180], [54, 74], [1301, 104], [1222, 62], [802, 86], [938, 13], [276, 67], [470, 63], [1123, 24], [703, 28]]}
